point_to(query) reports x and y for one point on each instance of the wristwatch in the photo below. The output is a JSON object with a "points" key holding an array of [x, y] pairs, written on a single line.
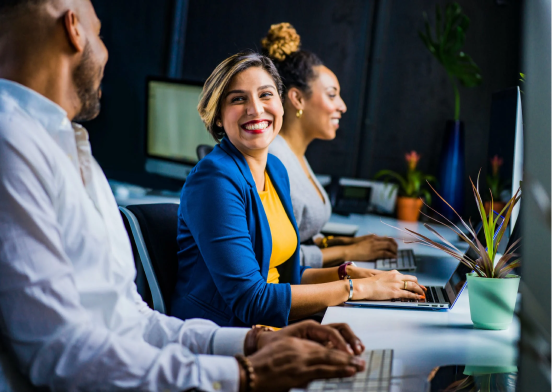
{"points": [[342, 270]]}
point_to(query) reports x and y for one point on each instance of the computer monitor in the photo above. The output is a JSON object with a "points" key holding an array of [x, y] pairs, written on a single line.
{"points": [[173, 127], [506, 139]]}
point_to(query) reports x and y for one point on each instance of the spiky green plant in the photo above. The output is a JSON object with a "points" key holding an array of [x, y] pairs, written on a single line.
{"points": [[450, 35], [484, 265]]}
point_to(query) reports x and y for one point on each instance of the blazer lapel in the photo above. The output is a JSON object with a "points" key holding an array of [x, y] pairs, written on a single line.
{"points": [[265, 242]]}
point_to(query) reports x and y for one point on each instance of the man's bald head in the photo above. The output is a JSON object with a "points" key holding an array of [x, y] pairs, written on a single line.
{"points": [[54, 47]]}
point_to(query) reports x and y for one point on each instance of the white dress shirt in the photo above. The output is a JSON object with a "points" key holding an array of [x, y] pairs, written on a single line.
{"points": [[69, 309]]}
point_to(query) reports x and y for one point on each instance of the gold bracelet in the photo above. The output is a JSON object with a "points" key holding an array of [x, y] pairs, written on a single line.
{"points": [[250, 376], [324, 243], [250, 343]]}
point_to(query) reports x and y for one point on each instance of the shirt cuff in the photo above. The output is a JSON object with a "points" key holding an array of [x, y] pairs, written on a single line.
{"points": [[229, 341], [218, 374], [311, 256]]}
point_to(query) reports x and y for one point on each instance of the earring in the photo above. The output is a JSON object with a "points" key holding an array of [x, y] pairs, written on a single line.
{"points": [[299, 113], [219, 124]]}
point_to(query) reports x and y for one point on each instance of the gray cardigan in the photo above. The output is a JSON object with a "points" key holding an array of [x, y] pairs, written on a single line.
{"points": [[311, 213]]}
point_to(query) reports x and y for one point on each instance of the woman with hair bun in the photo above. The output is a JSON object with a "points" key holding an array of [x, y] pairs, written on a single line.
{"points": [[313, 108], [238, 240]]}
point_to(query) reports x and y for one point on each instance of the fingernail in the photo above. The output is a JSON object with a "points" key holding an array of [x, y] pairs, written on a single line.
{"points": [[349, 349], [358, 362], [358, 347]]}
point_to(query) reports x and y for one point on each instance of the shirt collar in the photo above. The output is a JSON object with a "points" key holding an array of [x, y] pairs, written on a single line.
{"points": [[49, 114]]}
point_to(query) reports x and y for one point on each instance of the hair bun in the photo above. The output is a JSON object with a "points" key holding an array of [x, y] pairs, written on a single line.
{"points": [[281, 41]]}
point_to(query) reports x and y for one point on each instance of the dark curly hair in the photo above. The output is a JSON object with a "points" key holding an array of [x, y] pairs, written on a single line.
{"points": [[296, 66]]}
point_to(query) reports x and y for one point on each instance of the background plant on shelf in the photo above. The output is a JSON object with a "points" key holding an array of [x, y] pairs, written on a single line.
{"points": [[446, 42], [494, 181], [484, 266], [410, 185]]}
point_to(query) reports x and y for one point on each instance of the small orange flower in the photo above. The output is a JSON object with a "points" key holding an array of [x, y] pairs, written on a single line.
{"points": [[496, 162], [412, 159]]}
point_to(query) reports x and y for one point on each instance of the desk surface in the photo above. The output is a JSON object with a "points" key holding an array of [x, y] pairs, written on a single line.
{"points": [[424, 339]]}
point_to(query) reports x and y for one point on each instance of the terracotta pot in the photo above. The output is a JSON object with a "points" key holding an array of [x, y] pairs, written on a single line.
{"points": [[498, 206], [408, 208]]}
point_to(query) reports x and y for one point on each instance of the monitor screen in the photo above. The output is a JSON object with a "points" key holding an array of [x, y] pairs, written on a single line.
{"points": [[506, 142], [174, 128]]}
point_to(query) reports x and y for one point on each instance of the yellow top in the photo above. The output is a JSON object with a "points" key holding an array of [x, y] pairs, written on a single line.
{"points": [[284, 238]]}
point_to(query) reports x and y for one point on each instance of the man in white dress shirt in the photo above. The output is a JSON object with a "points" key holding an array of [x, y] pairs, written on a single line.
{"points": [[70, 315]]}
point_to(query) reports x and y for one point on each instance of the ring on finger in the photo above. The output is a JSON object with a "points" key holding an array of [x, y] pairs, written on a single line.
{"points": [[405, 284]]}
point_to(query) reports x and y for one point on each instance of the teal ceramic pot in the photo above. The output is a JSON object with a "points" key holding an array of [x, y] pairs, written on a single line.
{"points": [[492, 301]]}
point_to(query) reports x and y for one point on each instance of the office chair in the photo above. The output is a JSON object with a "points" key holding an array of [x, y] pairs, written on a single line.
{"points": [[153, 233], [202, 150]]}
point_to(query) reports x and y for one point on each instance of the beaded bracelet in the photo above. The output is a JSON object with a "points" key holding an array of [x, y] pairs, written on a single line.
{"points": [[250, 376]]}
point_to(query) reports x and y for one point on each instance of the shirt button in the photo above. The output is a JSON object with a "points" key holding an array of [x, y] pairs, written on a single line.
{"points": [[217, 386]]}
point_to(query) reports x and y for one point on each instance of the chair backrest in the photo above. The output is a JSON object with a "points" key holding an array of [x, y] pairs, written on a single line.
{"points": [[202, 150], [158, 226]]}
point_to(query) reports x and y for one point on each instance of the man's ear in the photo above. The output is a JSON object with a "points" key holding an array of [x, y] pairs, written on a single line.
{"points": [[74, 30], [296, 97]]}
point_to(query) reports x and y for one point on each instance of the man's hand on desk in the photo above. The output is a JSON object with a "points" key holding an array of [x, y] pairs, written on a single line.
{"points": [[293, 363], [300, 353], [338, 336]]}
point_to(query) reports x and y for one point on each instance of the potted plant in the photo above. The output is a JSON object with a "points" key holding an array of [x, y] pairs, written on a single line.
{"points": [[445, 43], [492, 289], [496, 185], [410, 188]]}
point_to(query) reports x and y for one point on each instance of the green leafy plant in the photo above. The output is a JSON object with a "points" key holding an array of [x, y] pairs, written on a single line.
{"points": [[411, 184], [484, 265], [446, 42]]}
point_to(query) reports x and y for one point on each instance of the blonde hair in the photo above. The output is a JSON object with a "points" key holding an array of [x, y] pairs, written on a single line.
{"points": [[215, 86], [281, 41]]}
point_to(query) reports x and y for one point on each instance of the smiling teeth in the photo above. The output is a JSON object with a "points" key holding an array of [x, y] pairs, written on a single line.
{"points": [[335, 121], [254, 127]]}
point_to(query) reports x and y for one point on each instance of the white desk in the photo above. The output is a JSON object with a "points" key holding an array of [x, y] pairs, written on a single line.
{"points": [[424, 339]]}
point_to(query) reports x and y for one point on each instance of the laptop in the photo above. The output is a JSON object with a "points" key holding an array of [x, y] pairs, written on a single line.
{"points": [[437, 297], [376, 377]]}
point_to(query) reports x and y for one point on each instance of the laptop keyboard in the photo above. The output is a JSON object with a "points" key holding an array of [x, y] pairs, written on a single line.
{"points": [[404, 261], [375, 378], [432, 296]]}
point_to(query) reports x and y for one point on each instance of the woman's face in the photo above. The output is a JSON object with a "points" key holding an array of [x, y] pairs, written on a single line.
{"points": [[251, 112], [324, 107]]}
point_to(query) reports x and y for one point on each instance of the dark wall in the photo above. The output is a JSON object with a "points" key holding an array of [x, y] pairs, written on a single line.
{"points": [[397, 94], [414, 97], [137, 33], [337, 31]]}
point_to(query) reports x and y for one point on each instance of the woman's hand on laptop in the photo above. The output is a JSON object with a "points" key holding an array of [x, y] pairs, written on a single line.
{"points": [[387, 285]]}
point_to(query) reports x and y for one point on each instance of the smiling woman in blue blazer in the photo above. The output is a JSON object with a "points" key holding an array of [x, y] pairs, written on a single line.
{"points": [[238, 239]]}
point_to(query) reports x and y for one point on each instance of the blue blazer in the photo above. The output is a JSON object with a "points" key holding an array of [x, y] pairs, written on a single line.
{"points": [[225, 244]]}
